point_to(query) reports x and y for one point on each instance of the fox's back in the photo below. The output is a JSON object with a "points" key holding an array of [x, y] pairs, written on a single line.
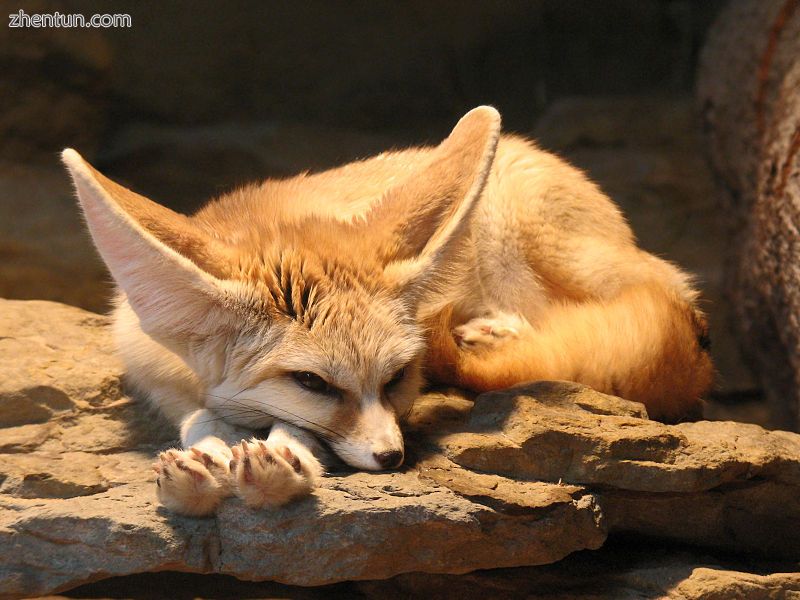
{"points": [[522, 179], [533, 211]]}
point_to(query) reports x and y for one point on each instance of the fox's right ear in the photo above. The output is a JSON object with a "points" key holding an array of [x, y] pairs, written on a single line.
{"points": [[423, 218], [172, 273]]}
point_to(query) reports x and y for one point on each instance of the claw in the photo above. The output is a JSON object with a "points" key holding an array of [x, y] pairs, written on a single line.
{"points": [[291, 459], [203, 457], [248, 469]]}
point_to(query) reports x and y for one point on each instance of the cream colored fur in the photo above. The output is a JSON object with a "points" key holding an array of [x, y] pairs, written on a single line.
{"points": [[485, 259]]}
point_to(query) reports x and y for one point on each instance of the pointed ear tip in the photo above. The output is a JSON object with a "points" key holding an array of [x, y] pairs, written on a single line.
{"points": [[71, 158], [486, 111], [482, 120]]}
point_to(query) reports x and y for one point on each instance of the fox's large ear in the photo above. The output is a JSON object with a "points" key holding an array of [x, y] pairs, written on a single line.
{"points": [[172, 273], [428, 213]]}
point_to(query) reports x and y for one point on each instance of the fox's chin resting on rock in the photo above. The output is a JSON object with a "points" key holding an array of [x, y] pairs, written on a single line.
{"points": [[316, 305]]}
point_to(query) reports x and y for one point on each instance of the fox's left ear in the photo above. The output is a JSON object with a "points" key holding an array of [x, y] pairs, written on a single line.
{"points": [[427, 214], [173, 274]]}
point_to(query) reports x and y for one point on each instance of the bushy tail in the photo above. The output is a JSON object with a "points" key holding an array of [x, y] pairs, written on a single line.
{"points": [[646, 344]]}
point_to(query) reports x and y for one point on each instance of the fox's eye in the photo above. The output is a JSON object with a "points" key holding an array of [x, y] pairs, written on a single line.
{"points": [[313, 382], [396, 378]]}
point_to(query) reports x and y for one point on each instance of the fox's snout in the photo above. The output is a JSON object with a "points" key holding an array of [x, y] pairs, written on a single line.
{"points": [[374, 441], [361, 457]]}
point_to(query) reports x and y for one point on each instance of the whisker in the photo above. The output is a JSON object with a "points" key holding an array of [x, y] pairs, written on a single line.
{"points": [[270, 406], [237, 413]]}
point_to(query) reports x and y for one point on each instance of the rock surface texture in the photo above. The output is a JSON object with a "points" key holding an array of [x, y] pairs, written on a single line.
{"points": [[747, 91], [526, 476]]}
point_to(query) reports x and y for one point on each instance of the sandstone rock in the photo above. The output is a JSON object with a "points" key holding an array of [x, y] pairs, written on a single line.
{"points": [[55, 359], [621, 571], [717, 584], [355, 527], [45, 251], [77, 500], [554, 431], [747, 91], [77, 503], [724, 479]]}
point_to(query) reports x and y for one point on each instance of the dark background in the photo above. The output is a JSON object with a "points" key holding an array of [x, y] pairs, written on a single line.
{"points": [[197, 97], [400, 67]]}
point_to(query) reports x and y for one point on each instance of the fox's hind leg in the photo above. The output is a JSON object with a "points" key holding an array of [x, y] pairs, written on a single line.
{"points": [[490, 330]]}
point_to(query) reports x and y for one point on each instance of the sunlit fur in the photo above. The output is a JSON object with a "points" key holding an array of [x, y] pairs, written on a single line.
{"points": [[358, 272]]}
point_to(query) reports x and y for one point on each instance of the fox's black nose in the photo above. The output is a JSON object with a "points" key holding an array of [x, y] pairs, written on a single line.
{"points": [[389, 460]]}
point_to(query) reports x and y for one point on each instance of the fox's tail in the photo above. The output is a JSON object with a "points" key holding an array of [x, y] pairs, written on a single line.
{"points": [[645, 344]]}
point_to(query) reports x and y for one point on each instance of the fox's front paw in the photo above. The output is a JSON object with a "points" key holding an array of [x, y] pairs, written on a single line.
{"points": [[267, 476], [191, 482], [486, 332]]}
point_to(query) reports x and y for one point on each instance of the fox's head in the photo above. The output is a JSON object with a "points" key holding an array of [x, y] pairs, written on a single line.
{"points": [[300, 317]]}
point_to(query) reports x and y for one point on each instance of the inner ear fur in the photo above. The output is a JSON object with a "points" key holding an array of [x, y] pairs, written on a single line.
{"points": [[167, 226], [173, 274], [427, 214]]}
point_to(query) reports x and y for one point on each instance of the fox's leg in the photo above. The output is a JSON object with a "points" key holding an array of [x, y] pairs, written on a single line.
{"points": [[213, 465], [195, 479], [644, 344], [269, 473]]}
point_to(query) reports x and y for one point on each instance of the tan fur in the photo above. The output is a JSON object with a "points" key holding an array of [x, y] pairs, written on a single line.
{"points": [[353, 272]]}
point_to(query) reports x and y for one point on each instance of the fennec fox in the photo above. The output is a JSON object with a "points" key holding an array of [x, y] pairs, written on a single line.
{"points": [[316, 306]]}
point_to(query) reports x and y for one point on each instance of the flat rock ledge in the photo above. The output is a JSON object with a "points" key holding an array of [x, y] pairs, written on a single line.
{"points": [[520, 477]]}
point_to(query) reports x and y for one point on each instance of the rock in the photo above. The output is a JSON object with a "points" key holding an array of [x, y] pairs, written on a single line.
{"points": [[621, 570], [747, 83], [521, 477], [554, 431], [45, 250], [716, 584], [77, 500], [723, 478], [47, 371], [357, 527]]}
